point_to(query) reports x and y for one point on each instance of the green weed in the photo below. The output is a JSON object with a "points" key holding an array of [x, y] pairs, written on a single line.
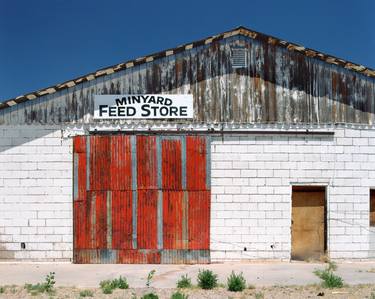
{"points": [[149, 277], [207, 279], [44, 287], [236, 282], [179, 295], [184, 282], [150, 296], [86, 293], [330, 280], [108, 286]]}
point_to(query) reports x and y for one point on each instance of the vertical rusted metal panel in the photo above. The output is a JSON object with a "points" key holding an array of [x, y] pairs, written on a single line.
{"points": [[196, 171], [100, 159], [147, 219], [122, 227], [147, 194], [171, 164], [120, 165], [79, 191], [101, 219], [172, 219], [79, 150], [79, 224], [146, 162], [199, 219], [372, 207]]}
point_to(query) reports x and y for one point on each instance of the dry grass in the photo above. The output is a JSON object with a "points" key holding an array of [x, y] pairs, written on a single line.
{"points": [[295, 292]]}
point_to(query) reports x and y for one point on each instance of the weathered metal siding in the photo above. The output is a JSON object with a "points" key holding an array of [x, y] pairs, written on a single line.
{"points": [[278, 85], [141, 199]]}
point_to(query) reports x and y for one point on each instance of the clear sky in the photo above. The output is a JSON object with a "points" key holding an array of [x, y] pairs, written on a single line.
{"points": [[45, 42]]}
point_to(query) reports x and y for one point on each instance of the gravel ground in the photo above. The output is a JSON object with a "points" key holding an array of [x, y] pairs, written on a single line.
{"points": [[295, 292]]}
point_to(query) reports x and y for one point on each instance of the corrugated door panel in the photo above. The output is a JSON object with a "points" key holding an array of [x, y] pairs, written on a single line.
{"points": [[121, 163], [196, 173], [172, 220], [147, 219], [101, 219], [100, 159], [80, 168], [90, 219], [79, 224], [79, 186], [122, 227], [199, 219], [171, 164], [79, 144], [146, 162]]}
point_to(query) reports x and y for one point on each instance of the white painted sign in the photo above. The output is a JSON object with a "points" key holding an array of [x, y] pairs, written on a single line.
{"points": [[148, 106]]}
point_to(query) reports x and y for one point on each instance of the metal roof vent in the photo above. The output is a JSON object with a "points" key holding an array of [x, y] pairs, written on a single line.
{"points": [[239, 57]]}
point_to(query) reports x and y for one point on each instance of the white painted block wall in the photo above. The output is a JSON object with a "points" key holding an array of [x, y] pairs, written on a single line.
{"points": [[251, 192], [35, 193], [252, 178]]}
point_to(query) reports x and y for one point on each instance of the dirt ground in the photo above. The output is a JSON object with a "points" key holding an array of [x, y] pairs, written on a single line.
{"points": [[295, 292]]}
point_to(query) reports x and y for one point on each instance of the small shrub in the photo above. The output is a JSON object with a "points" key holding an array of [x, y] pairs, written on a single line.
{"points": [[150, 296], [149, 277], [179, 295], [43, 287], [120, 283], [207, 279], [86, 293], [259, 295], [184, 282], [372, 296], [330, 280], [236, 282], [2, 290], [50, 282], [107, 289], [108, 286]]}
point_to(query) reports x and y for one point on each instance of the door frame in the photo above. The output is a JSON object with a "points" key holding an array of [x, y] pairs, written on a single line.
{"points": [[311, 186]]}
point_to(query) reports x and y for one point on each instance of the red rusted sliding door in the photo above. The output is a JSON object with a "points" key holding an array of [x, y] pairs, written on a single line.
{"points": [[141, 199]]}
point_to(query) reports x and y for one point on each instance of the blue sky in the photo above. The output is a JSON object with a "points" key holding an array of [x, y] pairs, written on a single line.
{"points": [[45, 42]]}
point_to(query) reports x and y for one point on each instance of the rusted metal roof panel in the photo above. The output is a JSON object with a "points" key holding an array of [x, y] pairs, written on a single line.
{"points": [[282, 83]]}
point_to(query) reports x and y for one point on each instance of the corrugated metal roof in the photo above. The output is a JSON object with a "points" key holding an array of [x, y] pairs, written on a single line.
{"points": [[237, 31]]}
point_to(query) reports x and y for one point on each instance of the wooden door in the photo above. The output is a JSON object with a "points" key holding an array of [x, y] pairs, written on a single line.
{"points": [[308, 223]]}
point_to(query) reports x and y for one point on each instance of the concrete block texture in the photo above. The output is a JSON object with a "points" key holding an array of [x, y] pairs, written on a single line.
{"points": [[35, 194], [274, 164]]}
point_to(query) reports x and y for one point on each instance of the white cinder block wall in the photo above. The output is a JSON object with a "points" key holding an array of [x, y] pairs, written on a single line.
{"points": [[35, 193], [252, 178], [251, 192]]}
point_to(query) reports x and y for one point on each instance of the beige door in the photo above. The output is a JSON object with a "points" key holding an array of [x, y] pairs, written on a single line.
{"points": [[308, 223]]}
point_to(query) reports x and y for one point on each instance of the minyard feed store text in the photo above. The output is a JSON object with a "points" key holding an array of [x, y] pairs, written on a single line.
{"points": [[240, 146]]}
